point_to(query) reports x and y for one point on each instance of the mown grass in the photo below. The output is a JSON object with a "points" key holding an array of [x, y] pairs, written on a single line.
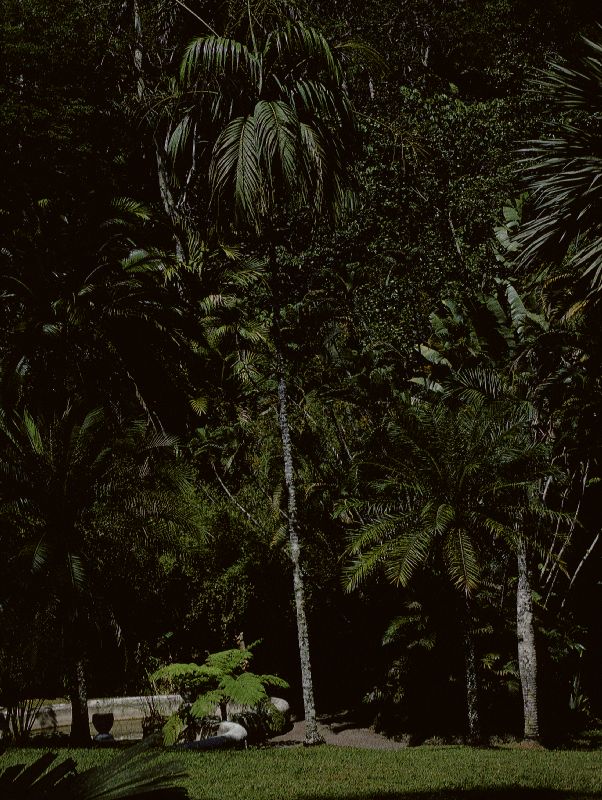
{"points": [[334, 773]]}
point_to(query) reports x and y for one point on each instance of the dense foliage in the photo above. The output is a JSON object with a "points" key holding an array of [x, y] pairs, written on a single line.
{"points": [[304, 290]]}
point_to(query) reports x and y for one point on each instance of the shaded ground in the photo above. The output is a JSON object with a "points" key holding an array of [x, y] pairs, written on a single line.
{"points": [[341, 731]]}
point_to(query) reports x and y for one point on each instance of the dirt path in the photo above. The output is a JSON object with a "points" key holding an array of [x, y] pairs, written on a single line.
{"points": [[336, 730]]}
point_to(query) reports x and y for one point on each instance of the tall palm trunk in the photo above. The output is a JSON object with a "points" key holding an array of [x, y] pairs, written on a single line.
{"points": [[78, 695], [527, 657], [165, 185], [312, 736], [472, 686]]}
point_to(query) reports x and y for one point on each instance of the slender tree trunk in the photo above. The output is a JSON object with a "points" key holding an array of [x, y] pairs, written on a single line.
{"points": [[312, 735], [167, 197], [165, 189], [472, 686], [78, 695], [527, 658]]}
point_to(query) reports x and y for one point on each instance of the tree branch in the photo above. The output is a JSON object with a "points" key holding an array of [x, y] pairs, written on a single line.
{"points": [[241, 508], [196, 16]]}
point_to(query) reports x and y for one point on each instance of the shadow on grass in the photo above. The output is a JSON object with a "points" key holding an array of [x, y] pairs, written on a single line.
{"points": [[508, 793]]}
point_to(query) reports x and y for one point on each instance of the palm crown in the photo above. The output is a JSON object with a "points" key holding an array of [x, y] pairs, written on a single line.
{"points": [[284, 125], [452, 487], [564, 172]]}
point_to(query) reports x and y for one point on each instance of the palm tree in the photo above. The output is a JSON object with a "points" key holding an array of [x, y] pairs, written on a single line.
{"points": [[496, 351], [48, 486], [57, 478], [564, 173], [269, 123], [443, 495], [87, 316]]}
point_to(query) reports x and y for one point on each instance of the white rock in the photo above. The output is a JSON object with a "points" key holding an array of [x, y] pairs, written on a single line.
{"points": [[232, 731], [281, 705]]}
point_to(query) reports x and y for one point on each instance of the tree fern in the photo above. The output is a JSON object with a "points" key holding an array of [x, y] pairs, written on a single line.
{"points": [[222, 679]]}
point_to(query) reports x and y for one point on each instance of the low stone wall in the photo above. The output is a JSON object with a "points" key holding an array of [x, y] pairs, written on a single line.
{"points": [[58, 715], [128, 713]]}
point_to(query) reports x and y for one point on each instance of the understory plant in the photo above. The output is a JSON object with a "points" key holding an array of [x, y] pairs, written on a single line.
{"points": [[20, 717], [135, 773], [222, 681]]}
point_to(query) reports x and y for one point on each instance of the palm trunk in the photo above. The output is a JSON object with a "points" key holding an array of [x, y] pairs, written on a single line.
{"points": [[78, 695], [472, 686], [312, 735], [165, 190], [169, 203], [527, 658]]}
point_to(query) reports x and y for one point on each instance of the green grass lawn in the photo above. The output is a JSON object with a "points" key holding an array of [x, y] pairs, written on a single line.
{"points": [[446, 773]]}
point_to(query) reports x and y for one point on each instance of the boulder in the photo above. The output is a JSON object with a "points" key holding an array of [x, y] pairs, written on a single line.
{"points": [[229, 734]]}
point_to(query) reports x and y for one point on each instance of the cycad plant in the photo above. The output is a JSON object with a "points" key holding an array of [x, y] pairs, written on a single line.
{"points": [[497, 351], [135, 773], [58, 477], [268, 124], [448, 488], [49, 481]]}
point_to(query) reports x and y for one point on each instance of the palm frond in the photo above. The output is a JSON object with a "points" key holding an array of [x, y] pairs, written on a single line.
{"points": [[276, 128], [462, 560], [77, 571], [33, 433], [129, 209], [180, 136], [236, 164], [303, 42], [364, 53], [408, 553], [564, 172], [444, 518], [199, 405], [376, 531], [140, 771], [364, 565], [40, 556], [218, 56]]}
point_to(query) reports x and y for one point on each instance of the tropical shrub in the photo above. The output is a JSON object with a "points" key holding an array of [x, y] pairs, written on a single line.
{"points": [[222, 680]]}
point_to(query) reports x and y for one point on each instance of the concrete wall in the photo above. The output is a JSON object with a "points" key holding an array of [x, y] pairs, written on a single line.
{"points": [[58, 715], [128, 713]]}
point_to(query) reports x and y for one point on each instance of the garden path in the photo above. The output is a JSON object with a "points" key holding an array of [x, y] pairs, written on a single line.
{"points": [[340, 731]]}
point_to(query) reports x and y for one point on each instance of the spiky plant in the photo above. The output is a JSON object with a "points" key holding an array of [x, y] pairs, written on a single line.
{"points": [[498, 352], [60, 480], [453, 480], [137, 772]]}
